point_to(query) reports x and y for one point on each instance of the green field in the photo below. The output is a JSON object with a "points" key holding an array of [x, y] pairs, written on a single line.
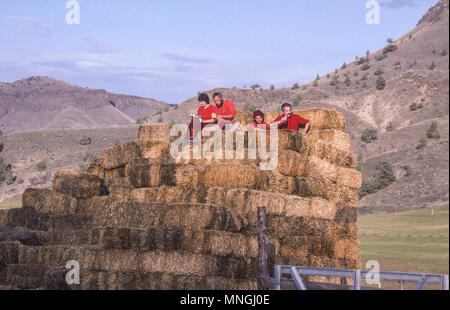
{"points": [[414, 241]]}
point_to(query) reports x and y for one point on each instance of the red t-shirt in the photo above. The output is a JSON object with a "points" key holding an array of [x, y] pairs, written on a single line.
{"points": [[293, 123], [259, 126], [227, 108], [206, 114]]}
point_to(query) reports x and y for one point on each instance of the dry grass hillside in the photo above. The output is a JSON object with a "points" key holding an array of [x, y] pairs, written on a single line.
{"points": [[46, 103]]}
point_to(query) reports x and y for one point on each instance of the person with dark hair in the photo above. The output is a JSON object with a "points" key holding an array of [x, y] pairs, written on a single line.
{"points": [[290, 121], [258, 118], [226, 110], [206, 113]]}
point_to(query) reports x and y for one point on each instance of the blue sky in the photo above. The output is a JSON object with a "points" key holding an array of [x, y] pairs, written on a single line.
{"points": [[169, 50]]}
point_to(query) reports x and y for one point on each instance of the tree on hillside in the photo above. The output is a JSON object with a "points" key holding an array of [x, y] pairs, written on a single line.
{"points": [[422, 143], [390, 40], [369, 135], [272, 87], [432, 66], [384, 176], [344, 66], [295, 86], [433, 131], [255, 86], [1, 132], [381, 83]]}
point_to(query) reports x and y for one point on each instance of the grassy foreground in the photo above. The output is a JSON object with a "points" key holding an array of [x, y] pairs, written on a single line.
{"points": [[414, 241]]}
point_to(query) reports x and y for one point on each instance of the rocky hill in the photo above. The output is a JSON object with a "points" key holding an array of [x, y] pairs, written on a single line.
{"points": [[42, 103]]}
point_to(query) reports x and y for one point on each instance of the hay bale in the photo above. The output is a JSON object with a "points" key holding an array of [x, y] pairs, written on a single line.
{"points": [[346, 249], [9, 252], [292, 164], [78, 185], [95, 169], [119, 156], [347, 214], [189, 177], [155, 132], [155, 149], [246, 202], [3, 217], [243, 117], [139, 215], [326, 189], [48, 201], [338, 139], [229, 176], [112, 175], [324, 119], [168, 194], [326, 151], [27, 217], [148, 173]]}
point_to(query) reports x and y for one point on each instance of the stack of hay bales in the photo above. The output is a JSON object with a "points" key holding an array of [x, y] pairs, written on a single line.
{"points": [[141, 219]]}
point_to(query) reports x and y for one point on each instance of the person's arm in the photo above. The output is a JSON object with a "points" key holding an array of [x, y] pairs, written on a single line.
{"points": [[306, 128], [279, 121]]}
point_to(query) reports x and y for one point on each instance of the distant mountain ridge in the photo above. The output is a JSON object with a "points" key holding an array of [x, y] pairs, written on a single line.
{"points": [[39, 103]]}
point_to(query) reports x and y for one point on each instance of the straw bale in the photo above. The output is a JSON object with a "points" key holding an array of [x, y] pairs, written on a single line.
{"points": [[346, 249], [292, 164], [69, 222], [307, 245], [112, 175], [337, 138], [148, 173], [273, 181], [243, 117], [27, 217], [348, 214], [324, 188], [189, 177], [155, 149], [24, 236], [76, 237], [3, 217], [25, 276], [246, 202], [96, 169], [186, 215], [119, 156], [327, 151], [230, 176], [324, 119], [155, 132], [44, 200], [78, 185], [9, 251], [168, 194]]}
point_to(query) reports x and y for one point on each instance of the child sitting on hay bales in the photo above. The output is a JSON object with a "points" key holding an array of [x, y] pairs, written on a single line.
{"points": [[290, 121], [206, 114], [259, 123]]}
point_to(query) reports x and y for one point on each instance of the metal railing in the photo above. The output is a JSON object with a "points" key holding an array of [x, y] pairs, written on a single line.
{"points": [[422, 279]]}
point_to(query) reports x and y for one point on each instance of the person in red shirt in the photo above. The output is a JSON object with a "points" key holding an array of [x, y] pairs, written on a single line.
{"points": [[226, 110], [206, 114], [290, 121], [259, 123]]}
